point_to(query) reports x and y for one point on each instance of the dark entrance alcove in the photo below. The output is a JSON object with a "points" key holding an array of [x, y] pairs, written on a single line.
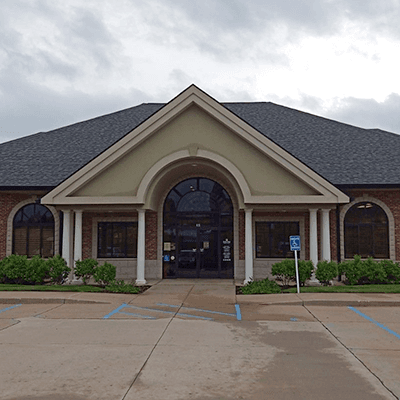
{"points": [[198, 231]]}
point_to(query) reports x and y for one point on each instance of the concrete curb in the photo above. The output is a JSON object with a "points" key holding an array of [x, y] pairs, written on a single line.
{"points": [[48, 301], [335, 303]]}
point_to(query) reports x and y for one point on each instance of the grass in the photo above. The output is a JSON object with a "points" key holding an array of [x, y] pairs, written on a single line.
{"points": [[389, 288], [52, 288], [267, 287]]}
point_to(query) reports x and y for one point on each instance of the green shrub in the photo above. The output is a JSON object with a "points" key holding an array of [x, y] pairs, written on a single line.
{"points": [[37, 270], [392, 271], [353, 270], [326, 271], [286, 271], [105, 274], [85, 269], [358, 271], [373, 272], [14, 269], [122, 287], [262, 286], [58, 269]]}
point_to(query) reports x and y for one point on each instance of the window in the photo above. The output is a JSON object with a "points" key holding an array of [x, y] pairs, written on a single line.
{"points": [[366, 231], [272, 239], [33, 231], [117, 240]]}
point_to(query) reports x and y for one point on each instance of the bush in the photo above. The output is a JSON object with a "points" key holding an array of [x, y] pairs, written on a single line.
{"points": [[358, 271], [326, 271], [286, 271], [392, 271], [122, 287], [37, 270], [263, 286], [85, 269], [352, 269], [14, 269], [57, 269], [105, 274]]}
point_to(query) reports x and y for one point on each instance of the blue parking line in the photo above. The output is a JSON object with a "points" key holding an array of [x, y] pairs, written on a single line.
{"points": [[123, 305], [238, 313], [196, 309], [10, 308], [375, 322], [137, 315]]}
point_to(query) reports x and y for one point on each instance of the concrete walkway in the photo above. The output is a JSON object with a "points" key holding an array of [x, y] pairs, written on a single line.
{"points": [[200, 290], [183, 339]]}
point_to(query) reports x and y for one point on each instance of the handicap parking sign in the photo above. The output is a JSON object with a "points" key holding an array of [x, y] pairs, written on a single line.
{"points": [[294, 243]]}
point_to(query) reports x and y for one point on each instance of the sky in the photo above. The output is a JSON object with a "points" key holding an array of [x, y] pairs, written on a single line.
{"points": [[66, 61]]}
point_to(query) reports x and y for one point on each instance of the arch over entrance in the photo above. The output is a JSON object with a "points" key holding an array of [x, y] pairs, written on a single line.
{"points": [[198, 231]]}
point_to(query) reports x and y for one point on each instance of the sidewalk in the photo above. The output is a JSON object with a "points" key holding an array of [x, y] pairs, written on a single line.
{"points": [[169, 287]]}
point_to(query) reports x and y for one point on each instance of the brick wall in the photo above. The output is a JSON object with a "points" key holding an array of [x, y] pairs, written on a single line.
{"points": [[151, 235]]}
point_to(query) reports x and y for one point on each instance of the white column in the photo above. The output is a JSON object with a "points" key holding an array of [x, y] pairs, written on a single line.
{"points": [[248, 266], [326, 236], [141, 248], [78, 235], [78, 241], [313, 236], [66, 244]]}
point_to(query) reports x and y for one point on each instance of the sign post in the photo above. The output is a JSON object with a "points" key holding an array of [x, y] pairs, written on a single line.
{"points": [[295, 246]]}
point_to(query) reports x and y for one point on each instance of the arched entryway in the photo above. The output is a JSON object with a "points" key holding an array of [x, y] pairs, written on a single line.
{"points": [[198, 231]]}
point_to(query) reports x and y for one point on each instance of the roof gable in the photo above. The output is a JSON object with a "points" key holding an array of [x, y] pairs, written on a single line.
{"points": [[323, 190]]}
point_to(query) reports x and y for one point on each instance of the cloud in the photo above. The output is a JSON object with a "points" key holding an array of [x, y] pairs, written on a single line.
{"points": [[369, 113], [30, 107]]}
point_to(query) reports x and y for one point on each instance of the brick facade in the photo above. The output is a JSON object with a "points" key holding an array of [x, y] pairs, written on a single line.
{"points": [[390, 197]]}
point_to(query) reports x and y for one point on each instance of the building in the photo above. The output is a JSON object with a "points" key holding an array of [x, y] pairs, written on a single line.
{"points": [[199, 189]]}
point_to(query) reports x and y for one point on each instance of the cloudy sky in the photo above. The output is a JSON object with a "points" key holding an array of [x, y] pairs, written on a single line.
{"points": [[66, 61]]}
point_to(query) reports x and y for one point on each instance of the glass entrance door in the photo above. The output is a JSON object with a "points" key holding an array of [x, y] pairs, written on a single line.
{"points": [[198, 231]]}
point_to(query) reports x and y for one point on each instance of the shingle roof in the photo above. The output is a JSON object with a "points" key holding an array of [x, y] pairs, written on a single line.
{"points": [[341, 153]]}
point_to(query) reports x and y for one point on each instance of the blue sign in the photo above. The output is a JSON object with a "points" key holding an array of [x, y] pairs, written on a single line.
{"points": [[294, 243], [166, 258]]}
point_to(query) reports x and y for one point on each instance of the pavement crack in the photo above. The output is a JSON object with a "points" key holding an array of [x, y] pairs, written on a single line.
{"points": [[156, 344], [50, 309], [350, 350]]}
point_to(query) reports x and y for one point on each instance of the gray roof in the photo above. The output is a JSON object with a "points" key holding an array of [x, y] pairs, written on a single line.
{"points": [[341, 153]]}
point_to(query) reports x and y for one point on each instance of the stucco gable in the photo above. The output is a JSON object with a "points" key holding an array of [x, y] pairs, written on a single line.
{"points": [[193, 126]]}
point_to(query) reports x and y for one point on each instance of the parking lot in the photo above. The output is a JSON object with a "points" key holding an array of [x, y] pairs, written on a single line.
{"points": [[198, 340]]}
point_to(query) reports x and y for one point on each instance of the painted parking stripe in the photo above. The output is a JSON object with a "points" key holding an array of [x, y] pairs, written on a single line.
{"points": [[10, 308], [238, 313], [196, 309], [375, 322], [169, 312], [136, 315], [118, 309]]}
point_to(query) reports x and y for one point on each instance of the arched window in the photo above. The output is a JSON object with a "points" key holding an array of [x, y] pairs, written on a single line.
{"points": [[33, 231], [366, 231]]}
